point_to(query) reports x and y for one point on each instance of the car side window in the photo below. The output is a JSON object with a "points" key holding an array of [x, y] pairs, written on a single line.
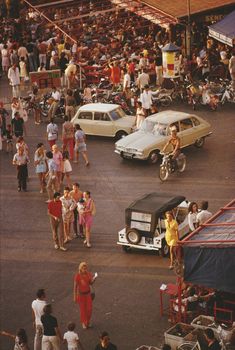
{"points": [[101, 116], [186, 124], [181, 215], [85, 115], [196, 122]]}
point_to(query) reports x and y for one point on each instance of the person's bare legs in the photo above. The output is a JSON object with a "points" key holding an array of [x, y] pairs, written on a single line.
{"points": [[84, 154]]}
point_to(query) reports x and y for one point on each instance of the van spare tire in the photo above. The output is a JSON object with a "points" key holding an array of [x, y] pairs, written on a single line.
{"points": [[133, 236]]}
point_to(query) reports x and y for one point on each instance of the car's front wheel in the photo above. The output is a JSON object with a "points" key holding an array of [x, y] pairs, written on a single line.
{"points": [[120, 134], [133, 236], [199, 142], [153, 157]]}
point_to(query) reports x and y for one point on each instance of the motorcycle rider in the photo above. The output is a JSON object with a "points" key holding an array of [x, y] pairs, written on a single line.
{"points": [[174, 141], [55, 101]]}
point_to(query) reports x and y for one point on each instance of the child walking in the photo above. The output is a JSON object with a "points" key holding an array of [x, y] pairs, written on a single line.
{"points": [[20, 338], [71, 338]]}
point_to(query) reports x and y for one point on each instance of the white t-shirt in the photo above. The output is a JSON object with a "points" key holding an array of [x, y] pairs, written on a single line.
{"points": [[203, 216], [127, 80], [52, 131], [72, 340], [37, 306], [55, 95]]}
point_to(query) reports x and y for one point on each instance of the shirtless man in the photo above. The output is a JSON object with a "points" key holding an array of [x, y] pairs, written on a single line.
{"points": [[76, 194], [174, 141]]}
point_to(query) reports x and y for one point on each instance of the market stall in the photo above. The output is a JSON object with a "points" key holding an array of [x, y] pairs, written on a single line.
{"points": [[209, 264], [224, 30]]}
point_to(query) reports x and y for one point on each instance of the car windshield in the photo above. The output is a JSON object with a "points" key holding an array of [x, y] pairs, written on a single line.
{"points": [[117, 113], [155, 128]]}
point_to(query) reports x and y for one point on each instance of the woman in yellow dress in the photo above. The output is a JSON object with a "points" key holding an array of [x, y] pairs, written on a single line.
{"points": [[171, 235]]}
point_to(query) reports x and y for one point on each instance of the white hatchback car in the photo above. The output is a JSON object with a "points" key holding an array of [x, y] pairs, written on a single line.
{"points": [[149, 140], [103, 119]]}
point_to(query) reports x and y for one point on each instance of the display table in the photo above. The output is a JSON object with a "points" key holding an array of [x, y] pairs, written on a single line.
{"points": [[168, 289]]}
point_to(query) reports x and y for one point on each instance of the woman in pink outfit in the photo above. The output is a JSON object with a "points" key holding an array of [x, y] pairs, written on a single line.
{"points": [[58, 159], [85, 217]]}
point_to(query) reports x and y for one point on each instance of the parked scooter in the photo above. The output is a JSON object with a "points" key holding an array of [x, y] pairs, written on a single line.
{"points": [[202, 95], [169, 165], [162, 97], [227, 94], [46, 103]]}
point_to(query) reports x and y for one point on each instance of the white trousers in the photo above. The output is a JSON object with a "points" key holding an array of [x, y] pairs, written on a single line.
{"points": [[50, 342]]}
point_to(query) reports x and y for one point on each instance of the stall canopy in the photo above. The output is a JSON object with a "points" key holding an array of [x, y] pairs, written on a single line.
{"points": [[224, 30], [209, 252]]}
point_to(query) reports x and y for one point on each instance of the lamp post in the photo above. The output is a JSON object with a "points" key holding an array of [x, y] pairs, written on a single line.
{"points": [[188, 30]]}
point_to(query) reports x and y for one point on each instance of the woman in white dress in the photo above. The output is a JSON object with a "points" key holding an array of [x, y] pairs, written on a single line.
{"points": [[68, 206], [192, 215], [5, 59]]}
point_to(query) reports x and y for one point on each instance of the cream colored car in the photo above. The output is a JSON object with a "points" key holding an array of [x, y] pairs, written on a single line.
{"points": [[104, 119], [149, 140]]}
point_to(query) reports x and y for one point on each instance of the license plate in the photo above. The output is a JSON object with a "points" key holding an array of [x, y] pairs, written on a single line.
{"points": [[127, 155]]}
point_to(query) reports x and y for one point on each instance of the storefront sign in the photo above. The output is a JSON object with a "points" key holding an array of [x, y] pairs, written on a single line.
{"points": [[46, 79]]}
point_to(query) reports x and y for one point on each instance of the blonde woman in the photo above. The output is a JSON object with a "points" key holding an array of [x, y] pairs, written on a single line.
{"points": [[83, 280], [171, 235], [41, 165], [68, 206]]}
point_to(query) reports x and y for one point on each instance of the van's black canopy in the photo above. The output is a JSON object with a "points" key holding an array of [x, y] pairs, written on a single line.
{"points": [[155, 203]]}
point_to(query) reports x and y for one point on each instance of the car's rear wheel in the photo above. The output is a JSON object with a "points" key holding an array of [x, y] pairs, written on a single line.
{"points": [[199, 142], [153, 157], [120, 134], [133, 236], [181, 164]]}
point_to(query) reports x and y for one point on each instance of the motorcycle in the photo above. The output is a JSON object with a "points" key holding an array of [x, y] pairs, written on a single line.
{"points": [[45, 105], [169, 165], [202, 95], [162, 97], [228, 94]]}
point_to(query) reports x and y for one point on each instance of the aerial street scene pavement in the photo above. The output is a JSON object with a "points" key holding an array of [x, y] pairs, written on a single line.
{"points": [[117, 175]]}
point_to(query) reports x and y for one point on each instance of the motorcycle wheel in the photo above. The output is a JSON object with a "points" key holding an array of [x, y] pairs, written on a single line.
{"points": [[181, 163], [165, 101], [163, 173]]}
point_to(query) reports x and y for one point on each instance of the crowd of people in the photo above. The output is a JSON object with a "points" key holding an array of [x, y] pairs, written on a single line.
{"points": [[48, 335]]}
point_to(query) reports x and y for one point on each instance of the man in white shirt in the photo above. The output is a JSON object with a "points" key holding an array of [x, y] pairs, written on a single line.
{"points": [[55, 95], [14, 78], [37, 311], [52, 133], [146, 99], [204, 214], [142, 80], [126, 84]]}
